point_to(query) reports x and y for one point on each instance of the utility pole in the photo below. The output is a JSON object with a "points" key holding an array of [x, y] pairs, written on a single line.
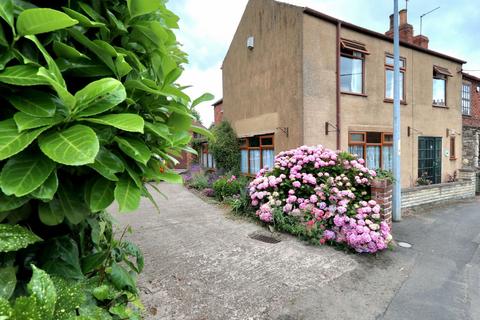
{"points": [[397, 189]]}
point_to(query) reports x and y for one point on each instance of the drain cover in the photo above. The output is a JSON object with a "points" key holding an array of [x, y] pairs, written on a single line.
{"points": [[404, 245], [264, 238]]}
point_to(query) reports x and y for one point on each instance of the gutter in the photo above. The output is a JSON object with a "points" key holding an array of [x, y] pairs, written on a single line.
{"points": [[339, 26]]}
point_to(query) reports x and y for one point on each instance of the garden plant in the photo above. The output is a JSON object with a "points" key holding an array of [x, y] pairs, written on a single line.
{"points": [[225, 148], [322, 196], [91, 113]]}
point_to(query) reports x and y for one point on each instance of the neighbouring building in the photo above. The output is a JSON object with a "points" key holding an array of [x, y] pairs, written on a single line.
{"points": [[471, 120], [186, 159], [218, 112], [294, 76]]}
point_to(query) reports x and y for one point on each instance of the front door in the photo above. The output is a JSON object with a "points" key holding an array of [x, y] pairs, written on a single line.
{"points": [[430, 158]]}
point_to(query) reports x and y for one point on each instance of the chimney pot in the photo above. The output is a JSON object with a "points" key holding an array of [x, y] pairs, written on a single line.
{"points": [[403, 17]]}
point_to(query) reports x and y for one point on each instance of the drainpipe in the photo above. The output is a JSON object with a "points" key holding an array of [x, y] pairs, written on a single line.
{"points": [[339, 26]]}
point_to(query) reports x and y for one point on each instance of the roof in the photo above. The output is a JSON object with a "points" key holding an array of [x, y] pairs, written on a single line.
{"points": [[470, 76], [217, 102], [375, 34]]}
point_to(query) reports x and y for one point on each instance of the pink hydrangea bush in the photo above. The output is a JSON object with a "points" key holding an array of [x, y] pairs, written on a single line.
{"points": [[321, 195]]}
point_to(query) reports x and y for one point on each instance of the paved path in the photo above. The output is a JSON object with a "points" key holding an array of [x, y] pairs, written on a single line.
{"points": [[202, 265]]}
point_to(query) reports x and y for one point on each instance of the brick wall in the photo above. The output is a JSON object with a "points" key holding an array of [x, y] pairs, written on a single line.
{"points": [[218, 113], [474, 119], [382, 194], [463, 189]]}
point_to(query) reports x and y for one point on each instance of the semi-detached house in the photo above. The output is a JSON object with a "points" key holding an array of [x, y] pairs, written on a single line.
{"points": [[294, 76]]}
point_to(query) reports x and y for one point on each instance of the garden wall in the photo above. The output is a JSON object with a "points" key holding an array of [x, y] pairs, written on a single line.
{"points": [[463, 189]]}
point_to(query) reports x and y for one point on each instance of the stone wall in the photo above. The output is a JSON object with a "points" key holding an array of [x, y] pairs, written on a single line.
{"points": [[471, 143], [463, 189]]}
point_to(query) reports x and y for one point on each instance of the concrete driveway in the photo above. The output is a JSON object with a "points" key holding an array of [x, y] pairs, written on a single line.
{"points": [[201, 264]]}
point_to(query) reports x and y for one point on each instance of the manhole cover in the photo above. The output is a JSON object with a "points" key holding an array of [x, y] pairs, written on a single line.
{"points": [[264, 238], [404, 245]]}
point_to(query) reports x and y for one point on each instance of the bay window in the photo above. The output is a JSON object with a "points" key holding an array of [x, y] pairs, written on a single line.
{"points": [[256, 153]]}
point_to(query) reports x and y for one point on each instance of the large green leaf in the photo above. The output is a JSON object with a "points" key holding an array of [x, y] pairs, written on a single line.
{"points": [[22, 75], [170, 177], [50, 78], [8, 203], [63, 50], [135, 149], [48, 189], [15, 237], [51, 213], [161, 130], [204, 132], [203, 98], [42, 289], [75, 146], [27, 308], [84, 21], [108, 164], [11, 141], [99, 96], [35, 103], [6, 11], [180, 122], [72, 204], [24, 173], [8, 281], [41, 20], [101, 194], [127, 194], [26, 122], [61, 258], [142, 7], [6, 311], [124, 121]]}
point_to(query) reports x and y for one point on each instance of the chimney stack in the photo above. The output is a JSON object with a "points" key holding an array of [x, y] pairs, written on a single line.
{"points": [[406, 31]]}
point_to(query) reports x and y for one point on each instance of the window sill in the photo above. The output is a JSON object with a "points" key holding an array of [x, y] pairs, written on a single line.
{"points": [[439, 106], [391, 101], [355, 94], [467, 115], [453, 159]]}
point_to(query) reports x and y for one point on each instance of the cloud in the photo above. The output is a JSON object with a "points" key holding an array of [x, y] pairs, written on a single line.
{"points": [[208, 26]]}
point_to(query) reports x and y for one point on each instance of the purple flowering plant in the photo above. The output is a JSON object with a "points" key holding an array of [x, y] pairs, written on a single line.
{"points": [[323, 196]]}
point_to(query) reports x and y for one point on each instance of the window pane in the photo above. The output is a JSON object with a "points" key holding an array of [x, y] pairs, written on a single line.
{"points": [[244, 161], [267, 141], [466, 97], [268, 157], [210, 161], [439, 92], [204, 159], [254, 142], [389, 61], [351, 74], [358, 150], [373, 157], [374, 137], [254, 161], [357, 137], [389, 84], [387, 158], [388, 138]]}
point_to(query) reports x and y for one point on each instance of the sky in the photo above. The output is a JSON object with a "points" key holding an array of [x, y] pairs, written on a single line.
{"points": [[207, 27]]}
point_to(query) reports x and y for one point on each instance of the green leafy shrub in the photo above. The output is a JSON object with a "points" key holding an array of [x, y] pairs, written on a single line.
{"points": [[225, 148], [199, 181], [90, 113], [228, 187]]}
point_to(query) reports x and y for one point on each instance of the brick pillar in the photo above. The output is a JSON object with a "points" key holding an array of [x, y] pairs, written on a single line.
{"points": [[382, 193]]}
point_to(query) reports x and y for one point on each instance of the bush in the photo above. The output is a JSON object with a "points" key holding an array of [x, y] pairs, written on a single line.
{"points": [[322, 196], [199, 181], [208, 192], [241, 203], [90, 110], [225, 148], [228, 187]]}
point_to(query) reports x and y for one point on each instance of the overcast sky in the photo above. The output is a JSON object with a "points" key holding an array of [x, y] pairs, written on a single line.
{"points": [[208, 26]]}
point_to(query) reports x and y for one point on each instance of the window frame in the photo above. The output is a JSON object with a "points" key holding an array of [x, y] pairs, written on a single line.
{"points": [[403, 70], [366, 144], [465, 100], [453, 154], [349, 53], [261, 147], [437, 75]]}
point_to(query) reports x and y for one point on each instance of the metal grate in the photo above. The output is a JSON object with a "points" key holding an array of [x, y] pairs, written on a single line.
{"points": [[264, 238]]}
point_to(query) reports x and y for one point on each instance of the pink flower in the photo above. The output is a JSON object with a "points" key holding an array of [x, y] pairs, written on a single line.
{"points": [[297, 184]]}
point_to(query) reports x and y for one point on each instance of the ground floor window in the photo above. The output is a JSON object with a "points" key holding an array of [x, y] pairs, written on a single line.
{"points": [[206, 158], [256, 153], [375, 147]]}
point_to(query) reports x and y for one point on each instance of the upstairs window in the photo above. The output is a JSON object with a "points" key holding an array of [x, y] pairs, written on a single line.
{"points": [[389, 66], [352, 66], [466, 99], [440, 76]]}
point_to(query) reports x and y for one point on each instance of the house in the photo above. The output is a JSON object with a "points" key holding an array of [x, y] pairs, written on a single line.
{"points": [[471, 120], [294, 76], [218, 112], [186, 159]]}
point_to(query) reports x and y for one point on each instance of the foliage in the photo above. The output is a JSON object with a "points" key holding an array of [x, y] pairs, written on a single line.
{"points": [[423, 180], [198, 181], [322, 196], [225, 148], [241, 203], [386, 175], [228, 187], [90, 112], [208, 192]]}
